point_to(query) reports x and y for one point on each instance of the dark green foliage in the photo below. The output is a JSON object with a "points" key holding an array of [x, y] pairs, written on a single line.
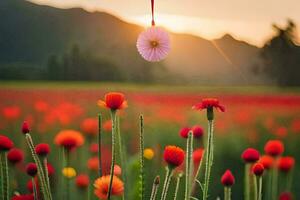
{"points": [[282, 56], [37, 42]]}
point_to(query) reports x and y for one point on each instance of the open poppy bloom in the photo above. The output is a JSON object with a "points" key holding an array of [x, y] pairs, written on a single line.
{"points": [[69, 139], [173, 155], [113, 101], [209, 103], [89, 126], [102, 185]]}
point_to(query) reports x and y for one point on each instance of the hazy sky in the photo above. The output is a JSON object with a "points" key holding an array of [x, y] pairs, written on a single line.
{"points": [[248, 20]]}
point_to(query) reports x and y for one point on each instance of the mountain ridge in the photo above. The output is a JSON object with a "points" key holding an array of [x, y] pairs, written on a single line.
{"points": [[34, 32]]}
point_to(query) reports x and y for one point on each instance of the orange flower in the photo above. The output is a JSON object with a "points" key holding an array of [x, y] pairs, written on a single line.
{"points": [[93, 163], [107, 125], [89, 126], [101, 187], [69, 139], [113, 101]]}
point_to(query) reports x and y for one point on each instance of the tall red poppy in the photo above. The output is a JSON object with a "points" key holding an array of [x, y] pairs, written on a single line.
{"points": [[113, 101], [209, 103]]}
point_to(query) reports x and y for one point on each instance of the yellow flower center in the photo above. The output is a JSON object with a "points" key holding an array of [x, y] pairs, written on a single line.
{"points": [[154, 43]]}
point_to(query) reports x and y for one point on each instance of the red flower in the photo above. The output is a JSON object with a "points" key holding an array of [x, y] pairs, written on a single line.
{"points": [[113, 101], [274, 148], [82, 181], [30, 186], [197, 131], [41, 106], [258, 169], [209, 103], [51, 169], [93, 163], [31, 169], [25, 127], [23, 197], [184, 132], [285, 164], [174, 156], [15, 156], [197, 155], [42, 149], [5, 143], [107, 125], [11, 112], [286, 196], [227, 179], [101, 187], [267, 161], [94, 148], [89, 126], [250, 155], [69, 139]]}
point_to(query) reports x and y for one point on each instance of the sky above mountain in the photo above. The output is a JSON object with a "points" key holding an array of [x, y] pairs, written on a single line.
{"points": [[248, 20]]}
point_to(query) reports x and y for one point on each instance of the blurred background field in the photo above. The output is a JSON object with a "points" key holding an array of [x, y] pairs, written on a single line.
{"points": [[253, 115]]}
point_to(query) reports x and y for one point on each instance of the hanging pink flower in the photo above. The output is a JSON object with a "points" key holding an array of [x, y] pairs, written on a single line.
{"points": [[153, 44]]}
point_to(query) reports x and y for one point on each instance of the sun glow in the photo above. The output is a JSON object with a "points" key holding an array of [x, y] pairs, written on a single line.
{"points": [[204, 27]]}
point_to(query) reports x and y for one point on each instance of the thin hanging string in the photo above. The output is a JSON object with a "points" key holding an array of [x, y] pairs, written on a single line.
{"points": [[152, 10]]}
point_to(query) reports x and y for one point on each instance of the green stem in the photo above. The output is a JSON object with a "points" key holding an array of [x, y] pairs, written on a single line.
{"points": [[113, 150], [177, 185], [169, 174], [209, 159], [260, 188], [35, 195], [275, 180], [247, 181], [188, 170], [254, 186], [142, 189], [227, 193], [44, 163], [41, 174], [99, 144], [1, 177], [289, 180], [154, 188], [122, 159], [5, 179], [67, 162], [269, 184]]}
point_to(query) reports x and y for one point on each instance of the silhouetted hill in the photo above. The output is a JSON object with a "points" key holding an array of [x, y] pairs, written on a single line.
{"points": [[30, 34]]}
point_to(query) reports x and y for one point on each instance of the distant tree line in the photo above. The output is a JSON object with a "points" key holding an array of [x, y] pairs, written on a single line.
{"points": [[281, 56], [76, 65]]}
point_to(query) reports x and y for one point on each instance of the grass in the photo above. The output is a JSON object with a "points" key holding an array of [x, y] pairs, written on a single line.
{"points": [[135, 87]]}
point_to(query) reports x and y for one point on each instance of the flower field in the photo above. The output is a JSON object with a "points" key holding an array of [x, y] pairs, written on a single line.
{"points": [[259, 130]]}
